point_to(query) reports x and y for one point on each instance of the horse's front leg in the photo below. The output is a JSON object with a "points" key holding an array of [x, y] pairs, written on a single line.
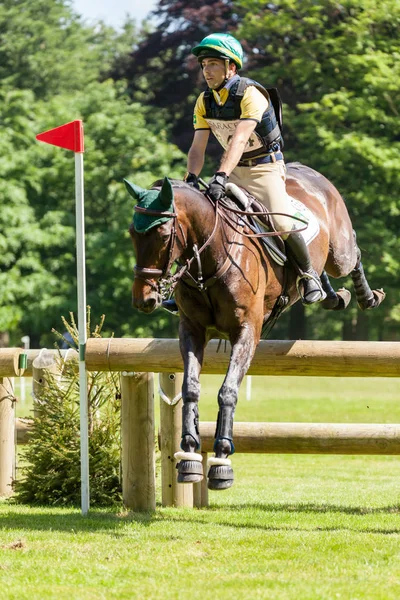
{"points": [[220, 474], [192, 343]]}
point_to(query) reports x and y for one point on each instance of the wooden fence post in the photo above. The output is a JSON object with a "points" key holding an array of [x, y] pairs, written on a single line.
{"points": [[7, 435], [173, 494], [138, 441]]}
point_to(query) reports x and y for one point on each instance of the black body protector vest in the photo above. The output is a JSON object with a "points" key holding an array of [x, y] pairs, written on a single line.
{"points": [[223, 120]]}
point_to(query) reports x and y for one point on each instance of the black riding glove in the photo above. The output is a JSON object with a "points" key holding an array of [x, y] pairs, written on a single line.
{"points": [[216, 185], [192, 180]]}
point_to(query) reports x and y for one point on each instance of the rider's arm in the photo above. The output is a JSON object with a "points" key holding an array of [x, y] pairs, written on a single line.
{"points": [[197, 151], [237, 145]]}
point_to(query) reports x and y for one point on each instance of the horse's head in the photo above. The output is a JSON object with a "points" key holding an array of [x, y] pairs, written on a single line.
{"points": [[151, 232]]}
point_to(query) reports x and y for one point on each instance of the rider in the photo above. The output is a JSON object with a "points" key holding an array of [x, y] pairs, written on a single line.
{"points": [[241, 115]]}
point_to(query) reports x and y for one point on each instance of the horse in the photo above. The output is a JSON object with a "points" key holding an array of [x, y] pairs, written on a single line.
{"points": [[226, 286]]}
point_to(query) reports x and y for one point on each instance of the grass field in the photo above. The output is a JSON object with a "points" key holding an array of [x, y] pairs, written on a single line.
{"points": [[292, 527]]}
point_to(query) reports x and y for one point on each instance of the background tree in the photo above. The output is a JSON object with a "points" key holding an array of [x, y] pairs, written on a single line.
{"points": [[37, 235], [162, 73], [336, 66]]}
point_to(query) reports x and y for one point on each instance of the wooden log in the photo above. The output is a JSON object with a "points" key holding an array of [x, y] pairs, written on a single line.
{"points": [[173, 494], [308, 438], [289, 438], [9, 362], [138, 441], [7, 436], [303, 357], [23, 428]]}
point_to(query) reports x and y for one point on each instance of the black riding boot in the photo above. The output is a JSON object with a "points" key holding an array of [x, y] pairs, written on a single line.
{"points": [[309, 278]]}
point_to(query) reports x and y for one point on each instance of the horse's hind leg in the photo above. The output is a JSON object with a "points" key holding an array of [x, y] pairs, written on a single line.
{"points": [[192, 343], [366, 298], [220, 474]]}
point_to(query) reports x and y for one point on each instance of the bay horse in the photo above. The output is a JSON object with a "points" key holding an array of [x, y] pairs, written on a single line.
{"points": [[226, 286]]}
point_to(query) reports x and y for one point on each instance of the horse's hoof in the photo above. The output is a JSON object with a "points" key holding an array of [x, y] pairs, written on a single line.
{"points": [[338, 302], [374, 301], [189, 471], [220, 477]]}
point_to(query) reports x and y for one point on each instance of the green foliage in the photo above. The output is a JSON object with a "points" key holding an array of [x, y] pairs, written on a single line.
{"points": [[337, 67], [52, 472], [53, 83], [46, 48]]}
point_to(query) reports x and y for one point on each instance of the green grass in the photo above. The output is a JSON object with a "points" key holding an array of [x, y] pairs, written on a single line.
{"points": [[292, 527]]}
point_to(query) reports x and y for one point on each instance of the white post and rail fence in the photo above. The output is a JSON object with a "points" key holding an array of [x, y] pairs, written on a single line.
{"points": [[136, 360]]}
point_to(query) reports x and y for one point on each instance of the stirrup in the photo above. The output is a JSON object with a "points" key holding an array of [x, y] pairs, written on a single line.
{"points": [[313, 276], [171, 306]]}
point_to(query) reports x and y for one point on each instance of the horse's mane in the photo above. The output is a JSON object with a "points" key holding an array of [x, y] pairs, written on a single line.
{"points": [[178, 183]]}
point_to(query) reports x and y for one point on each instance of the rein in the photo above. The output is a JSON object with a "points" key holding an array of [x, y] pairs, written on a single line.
{"points": [[244, 213], [164, 282], [167, 281]]}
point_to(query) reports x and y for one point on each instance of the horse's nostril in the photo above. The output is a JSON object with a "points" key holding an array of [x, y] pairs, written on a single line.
{"points": [[145, 305], [150, 303]]}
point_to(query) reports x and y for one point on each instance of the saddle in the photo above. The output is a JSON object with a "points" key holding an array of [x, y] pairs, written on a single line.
{"points": [[274, 245]]}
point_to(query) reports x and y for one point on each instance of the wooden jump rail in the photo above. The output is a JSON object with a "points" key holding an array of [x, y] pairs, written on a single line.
{"points": [[309, 358], [282, 358], [137, 359]]}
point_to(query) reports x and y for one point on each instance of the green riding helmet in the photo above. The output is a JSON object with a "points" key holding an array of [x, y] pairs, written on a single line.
{"points": [[220, 45]]}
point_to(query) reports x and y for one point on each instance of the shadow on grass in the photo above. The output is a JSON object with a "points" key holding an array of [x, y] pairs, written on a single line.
{"points": [[311, 508], [103, 520], [44, 519]]}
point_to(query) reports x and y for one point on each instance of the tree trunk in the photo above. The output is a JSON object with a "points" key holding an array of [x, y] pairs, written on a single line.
{"points": [[4, 339]]}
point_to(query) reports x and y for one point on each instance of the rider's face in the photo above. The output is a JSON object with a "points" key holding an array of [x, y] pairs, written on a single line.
{"points": [[213, 71]]}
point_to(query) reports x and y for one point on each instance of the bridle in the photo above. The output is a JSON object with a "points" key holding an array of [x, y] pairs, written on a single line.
{"points": [[162, 280], [150, 275]]}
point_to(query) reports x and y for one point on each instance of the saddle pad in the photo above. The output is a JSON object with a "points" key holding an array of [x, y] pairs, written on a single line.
{"points": [[300, 210]]}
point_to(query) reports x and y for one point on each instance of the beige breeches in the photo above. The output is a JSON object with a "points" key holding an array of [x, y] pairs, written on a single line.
{"points": [[267, 184]]}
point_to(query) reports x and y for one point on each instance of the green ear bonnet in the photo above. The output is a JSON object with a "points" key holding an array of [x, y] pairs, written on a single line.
{"points": [[158, 200]]}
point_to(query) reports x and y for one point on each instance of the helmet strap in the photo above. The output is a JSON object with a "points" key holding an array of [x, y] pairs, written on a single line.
{"points": [[227, 63]]}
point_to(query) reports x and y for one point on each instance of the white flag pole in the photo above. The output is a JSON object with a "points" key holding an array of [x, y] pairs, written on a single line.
{"points": [[81, 281], [70, 137]]}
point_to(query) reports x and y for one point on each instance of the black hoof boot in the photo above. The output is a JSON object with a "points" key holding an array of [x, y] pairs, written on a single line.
{"points": [[189, 471], [220, 477]]}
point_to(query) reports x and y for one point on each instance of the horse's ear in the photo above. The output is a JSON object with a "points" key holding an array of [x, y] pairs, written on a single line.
{"points": [[134, 190], [167, 193]]}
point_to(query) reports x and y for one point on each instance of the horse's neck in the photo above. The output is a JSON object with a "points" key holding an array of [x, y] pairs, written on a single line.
{"points": [[199, 216]]}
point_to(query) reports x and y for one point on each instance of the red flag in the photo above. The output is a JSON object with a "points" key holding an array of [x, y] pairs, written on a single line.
{"points": [[68, 136]]}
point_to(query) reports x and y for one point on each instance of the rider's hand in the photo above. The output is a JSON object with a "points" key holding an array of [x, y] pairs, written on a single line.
{"points": [[216, 185], [192, 180]]}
